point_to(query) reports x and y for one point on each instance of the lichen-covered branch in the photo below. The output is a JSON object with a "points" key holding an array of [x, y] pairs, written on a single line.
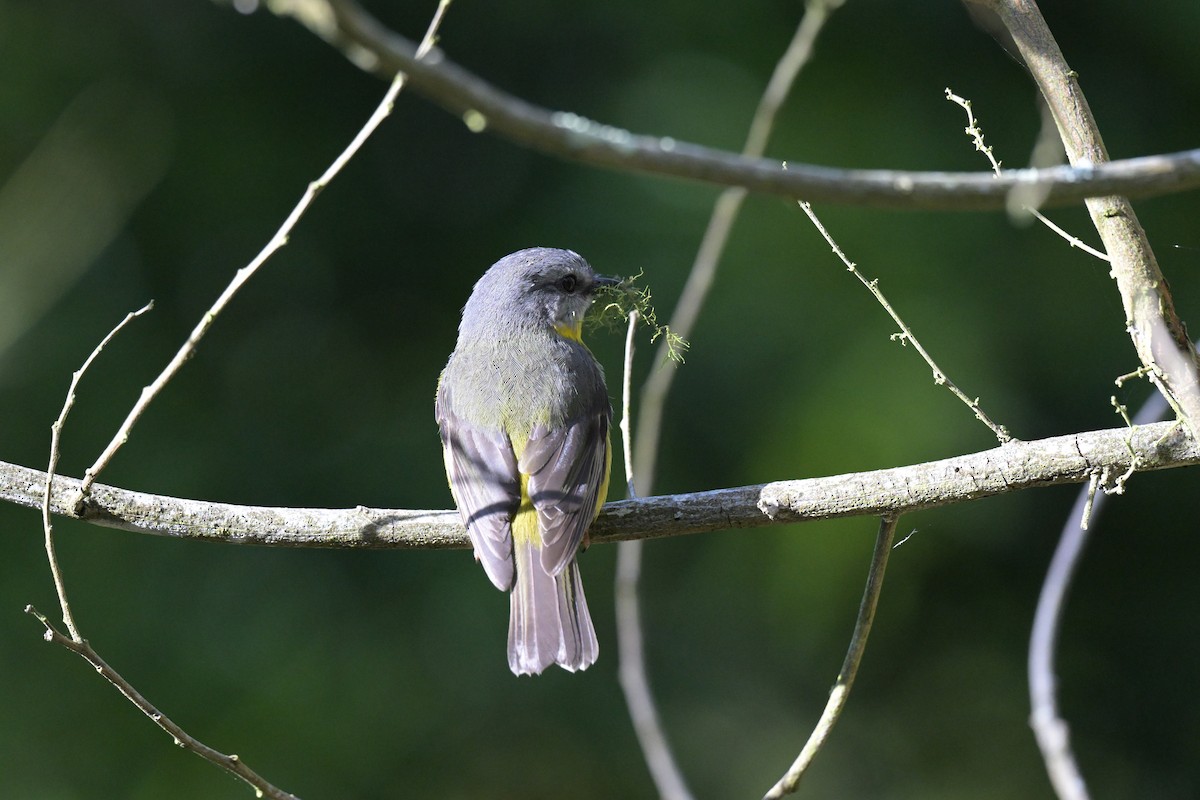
{"points": [[1008, 468]]}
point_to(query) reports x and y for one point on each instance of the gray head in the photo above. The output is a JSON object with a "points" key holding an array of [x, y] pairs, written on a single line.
{"points": [[541, 288]]}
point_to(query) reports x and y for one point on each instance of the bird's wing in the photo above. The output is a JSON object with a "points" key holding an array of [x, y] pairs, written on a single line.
{"points": [[568, 478], [486, 486]]}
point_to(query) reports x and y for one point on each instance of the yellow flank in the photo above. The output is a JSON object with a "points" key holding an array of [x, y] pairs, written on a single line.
{"points": [[525, 523], [572, 332], [603, 493], [518, 443]]}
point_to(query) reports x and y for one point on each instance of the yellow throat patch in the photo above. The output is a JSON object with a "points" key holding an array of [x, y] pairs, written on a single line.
{"points": [[572, 332]]}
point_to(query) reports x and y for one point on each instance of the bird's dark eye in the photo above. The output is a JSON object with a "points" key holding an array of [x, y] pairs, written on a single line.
{"points": [[568, 283]]}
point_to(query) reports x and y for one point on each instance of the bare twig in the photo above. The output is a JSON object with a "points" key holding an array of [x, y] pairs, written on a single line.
{"points": [[1089, 495], [1013, 467], [486, 108], [720, 223], [55, 440], [1158, 334], [382, 111], [976, 133], [1072, 240], [626, 393], [1121, 409], [1140, 372], [632, 672], [75, 641], [906, 335], [845, 680], [230, 763]]}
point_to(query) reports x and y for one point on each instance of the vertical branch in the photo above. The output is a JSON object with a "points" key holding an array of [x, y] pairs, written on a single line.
{"points": [[55, 444], [633, 675], [1166, 354], [695, 291], [626, 393], [1158, 334], [845, 680], [80, 646], [667, 777], [1049, 727]]}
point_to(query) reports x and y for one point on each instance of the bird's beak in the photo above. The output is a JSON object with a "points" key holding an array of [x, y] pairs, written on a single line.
{"points": [[605, 280]]}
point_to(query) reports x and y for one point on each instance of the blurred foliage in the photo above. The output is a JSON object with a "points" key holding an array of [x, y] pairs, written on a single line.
{"points": [[148, 149]]}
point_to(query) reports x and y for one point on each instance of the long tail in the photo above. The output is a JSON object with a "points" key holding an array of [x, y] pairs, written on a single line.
{"points": [[548, 619]]}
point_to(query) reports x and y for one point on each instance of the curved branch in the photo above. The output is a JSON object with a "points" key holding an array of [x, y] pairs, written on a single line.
{"points": [[840, 692], [370, 45], [1049, 727], [886, 492]]}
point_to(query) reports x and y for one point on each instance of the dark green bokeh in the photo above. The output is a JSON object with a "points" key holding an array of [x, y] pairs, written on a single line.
{"points": [[373, 675]]}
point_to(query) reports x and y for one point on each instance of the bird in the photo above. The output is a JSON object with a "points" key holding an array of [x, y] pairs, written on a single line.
{"points": [[524, 418]]}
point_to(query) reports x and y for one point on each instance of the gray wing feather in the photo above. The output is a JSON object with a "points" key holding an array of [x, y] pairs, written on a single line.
{"points": [[565, 468], [486, 487]]}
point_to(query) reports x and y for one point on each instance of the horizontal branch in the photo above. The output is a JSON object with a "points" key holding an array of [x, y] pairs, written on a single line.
{"points": [[485, 107], [1008, 468]]}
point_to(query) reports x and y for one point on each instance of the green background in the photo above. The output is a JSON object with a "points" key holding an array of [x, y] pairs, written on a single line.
{"points": [[148, 149]]}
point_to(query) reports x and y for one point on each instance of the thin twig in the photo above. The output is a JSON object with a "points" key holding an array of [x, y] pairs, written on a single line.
{"points": [[906, 335], [75, 641], [1089, 499], [382, 111], [1140, 372], [485, 107], [720, 223], [1013, 467], [633, 675], [1072, 240], [631, 671], [55, 440], [1157, 333], [845, 680], [976, 133], [626, 392], [231, 763]]}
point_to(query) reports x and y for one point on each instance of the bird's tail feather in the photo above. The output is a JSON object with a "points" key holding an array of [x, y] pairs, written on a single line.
{"points": [[548, 620]]}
